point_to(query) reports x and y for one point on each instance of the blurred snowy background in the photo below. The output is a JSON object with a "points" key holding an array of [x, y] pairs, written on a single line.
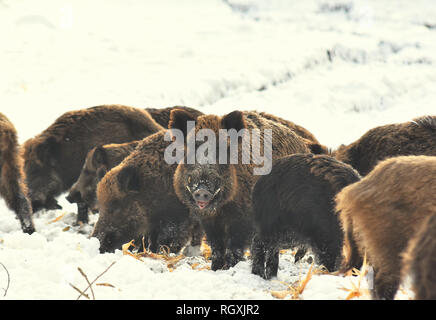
{"points": [[338, 68]]}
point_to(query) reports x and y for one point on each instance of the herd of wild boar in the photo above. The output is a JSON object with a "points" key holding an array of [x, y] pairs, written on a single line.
{"points": [[373, 198]]}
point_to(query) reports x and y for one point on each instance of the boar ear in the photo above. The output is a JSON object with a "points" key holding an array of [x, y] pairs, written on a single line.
{"points": [[179, 119], [46, 149], [317, 148], [99, 157], [234, 120], [129, 179]]}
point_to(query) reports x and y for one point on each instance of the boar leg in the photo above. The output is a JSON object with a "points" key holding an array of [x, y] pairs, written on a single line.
{"points": [[21, 205], [386, 285], [258, 256], [11, 189], [271, 259], [352, 257], [214, 234], [236, 244], [301, 252], [197, 234], [82, 213], [52, 204]]}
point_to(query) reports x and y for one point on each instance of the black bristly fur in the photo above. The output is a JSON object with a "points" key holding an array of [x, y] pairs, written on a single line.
{"points": [[294, 206]]}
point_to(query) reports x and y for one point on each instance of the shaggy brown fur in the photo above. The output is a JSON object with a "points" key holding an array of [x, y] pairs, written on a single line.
{"points": [[420, 260], [226, 218], [382, 212], [98, 162], [162, 115], [54, 158], [12, 187], [416, 137], [313, 144], [136, 199]]}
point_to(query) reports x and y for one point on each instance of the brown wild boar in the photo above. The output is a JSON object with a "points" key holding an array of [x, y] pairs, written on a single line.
{"points": [[313, 144], [162, 115], [136, 199], [415, 137], [12, 187], [419, 260], [220, 194], [382, 212], [54, 158]]}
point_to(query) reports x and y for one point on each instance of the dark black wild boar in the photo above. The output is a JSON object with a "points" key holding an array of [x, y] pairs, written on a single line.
{"points": [[12, 187], [294, 206], [54, 158]]}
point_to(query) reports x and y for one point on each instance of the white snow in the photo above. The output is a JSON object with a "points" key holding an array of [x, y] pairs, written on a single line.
{"points": [[337, 68]]}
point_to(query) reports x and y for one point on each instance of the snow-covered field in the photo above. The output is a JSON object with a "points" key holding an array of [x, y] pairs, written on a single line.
{"points": [[337, 68]]}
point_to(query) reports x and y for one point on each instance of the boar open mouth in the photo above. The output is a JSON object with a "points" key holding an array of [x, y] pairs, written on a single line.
{"points": [[202, 204], [206, 200]]}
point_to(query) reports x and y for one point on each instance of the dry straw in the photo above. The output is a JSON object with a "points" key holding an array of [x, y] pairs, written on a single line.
{"points": [[356, 290], [295, 289], [82, 293], [170, 260]]}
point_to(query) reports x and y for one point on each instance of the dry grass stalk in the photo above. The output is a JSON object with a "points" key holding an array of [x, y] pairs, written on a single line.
{"points": [[356, 290], [205, 249], [195, 266], [58, 218], [105, 285], [80, 291], [126, 252], [296, 289], [170, 260], [83, 293], [87, 280], [8, 282]]}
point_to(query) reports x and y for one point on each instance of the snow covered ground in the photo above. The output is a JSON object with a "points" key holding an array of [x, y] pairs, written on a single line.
{"points": [[338, 68]]}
